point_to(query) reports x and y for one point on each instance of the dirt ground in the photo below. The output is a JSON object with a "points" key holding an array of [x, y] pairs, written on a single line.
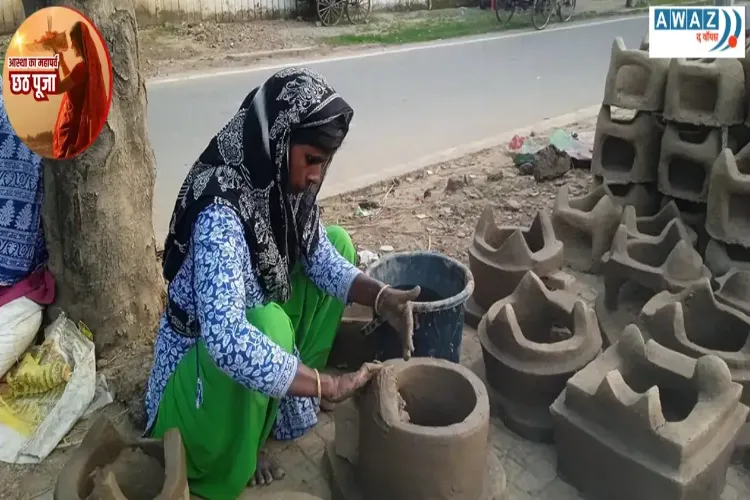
{"points": [[417, 212], [188, 46]]}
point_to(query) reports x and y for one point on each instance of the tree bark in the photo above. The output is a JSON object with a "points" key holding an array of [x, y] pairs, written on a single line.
{"points": [[98, 207]]}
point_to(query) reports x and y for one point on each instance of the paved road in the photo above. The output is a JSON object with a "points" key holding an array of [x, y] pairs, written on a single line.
{"points": [[408, 103]]}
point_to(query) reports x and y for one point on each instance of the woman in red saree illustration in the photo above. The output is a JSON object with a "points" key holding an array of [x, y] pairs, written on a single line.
{"points": [[83, 110]]}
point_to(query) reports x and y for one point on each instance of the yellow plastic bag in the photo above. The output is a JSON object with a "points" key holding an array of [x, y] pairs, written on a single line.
{"points": [[34, 385]]}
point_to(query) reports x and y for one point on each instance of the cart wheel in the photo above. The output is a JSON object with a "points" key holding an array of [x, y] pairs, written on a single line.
{"points": [[565, 10], [357, 11], [541, 13], [330, 11], [504, 10]]}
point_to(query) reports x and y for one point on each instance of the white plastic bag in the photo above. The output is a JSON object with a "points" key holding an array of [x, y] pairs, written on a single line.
{"points": [[20, 320]]}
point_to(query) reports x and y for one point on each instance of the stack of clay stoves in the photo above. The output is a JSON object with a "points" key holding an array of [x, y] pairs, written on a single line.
{"points": [[657, 415], [629, 128], [705, 113]]}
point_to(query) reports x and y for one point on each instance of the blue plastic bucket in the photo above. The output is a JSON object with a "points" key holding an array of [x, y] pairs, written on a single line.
{"points": [[439, 309]]}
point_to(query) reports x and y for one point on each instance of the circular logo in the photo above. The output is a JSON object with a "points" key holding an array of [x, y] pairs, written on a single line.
{"points": [[57, 82]]}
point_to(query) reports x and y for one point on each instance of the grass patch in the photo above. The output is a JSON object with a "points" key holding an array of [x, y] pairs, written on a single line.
{"points": [[400, 32], [473, 22]]}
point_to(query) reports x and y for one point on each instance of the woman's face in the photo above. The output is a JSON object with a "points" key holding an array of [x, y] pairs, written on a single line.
{"points": [[305, 167]]}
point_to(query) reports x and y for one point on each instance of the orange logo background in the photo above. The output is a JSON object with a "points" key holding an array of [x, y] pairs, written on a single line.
{"points": [[34, 121]]}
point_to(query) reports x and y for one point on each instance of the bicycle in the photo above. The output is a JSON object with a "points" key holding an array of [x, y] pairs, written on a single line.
{"points": [[541, 10], [330, 12]]}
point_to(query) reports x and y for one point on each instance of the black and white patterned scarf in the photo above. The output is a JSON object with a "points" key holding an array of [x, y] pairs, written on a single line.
{"points": [[246, 167]]}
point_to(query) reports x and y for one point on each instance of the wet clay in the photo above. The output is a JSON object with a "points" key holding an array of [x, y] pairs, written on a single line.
{"points": [[423, 434], [138, 475]]}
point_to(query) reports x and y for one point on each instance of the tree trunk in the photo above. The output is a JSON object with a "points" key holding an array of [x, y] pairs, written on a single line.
{"points": [[98, 207]]}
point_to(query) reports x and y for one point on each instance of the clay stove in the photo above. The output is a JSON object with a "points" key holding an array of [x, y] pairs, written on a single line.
{"points": [[500, 256], [585, 225], [644, 422], [635, 270], [653, 228], [422, 433], [695, 323], [532, 342]]}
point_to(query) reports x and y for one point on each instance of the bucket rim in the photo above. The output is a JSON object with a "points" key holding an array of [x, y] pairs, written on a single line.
{"points": [[438, 305]]}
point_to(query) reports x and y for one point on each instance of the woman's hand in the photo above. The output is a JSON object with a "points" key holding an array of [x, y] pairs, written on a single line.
{"points": [[395, 307], [342, 387]]}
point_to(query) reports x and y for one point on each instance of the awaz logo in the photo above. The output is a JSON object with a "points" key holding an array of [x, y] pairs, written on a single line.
{"points": [[732, 30]]}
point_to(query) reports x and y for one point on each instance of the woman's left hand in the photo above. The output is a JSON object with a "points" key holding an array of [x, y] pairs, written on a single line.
{"points": [[395, 307]]}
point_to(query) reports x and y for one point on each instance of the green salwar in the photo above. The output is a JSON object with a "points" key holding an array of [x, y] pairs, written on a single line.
{"points": [[222, 438]]}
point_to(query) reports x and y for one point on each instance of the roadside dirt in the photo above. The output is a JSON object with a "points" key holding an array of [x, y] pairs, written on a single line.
{"points": [[189, 46], [417, 212]]}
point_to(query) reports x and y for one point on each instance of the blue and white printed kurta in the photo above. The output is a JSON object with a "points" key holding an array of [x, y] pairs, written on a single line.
{"points": [[217, 277], [22, 248]]}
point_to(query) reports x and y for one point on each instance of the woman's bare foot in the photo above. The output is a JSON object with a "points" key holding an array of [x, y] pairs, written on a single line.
{"points": [[267, 470], [327, 406]]}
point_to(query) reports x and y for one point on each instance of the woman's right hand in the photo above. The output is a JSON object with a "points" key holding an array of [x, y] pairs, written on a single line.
{"points": [[342, 387]]}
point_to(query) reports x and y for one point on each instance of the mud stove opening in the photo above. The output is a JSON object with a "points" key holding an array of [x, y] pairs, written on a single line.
{"points": [[693, 134], [738, 253], [436, 396], [677, 396], [712, 329], [739, 213], [698, 93], [685, 175], [547, 327], [618, 155], [632, 80]]}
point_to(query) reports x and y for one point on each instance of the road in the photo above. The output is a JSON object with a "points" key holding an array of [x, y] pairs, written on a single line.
{"points": [[409, 102]]}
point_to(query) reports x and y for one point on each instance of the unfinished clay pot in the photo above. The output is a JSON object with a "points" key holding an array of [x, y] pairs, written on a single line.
{"points": [[106, 465], [652, 228], [500, 256], [423, 433], [635, 81], [722, 258], [733, 290], [644, 422], [635, 270], [728, 218], [585, 225], [695, 323], [707, 92], [533, 341]]}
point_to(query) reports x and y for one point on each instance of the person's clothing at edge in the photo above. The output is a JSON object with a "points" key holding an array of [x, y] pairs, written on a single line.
{"points": [[22, 247]]}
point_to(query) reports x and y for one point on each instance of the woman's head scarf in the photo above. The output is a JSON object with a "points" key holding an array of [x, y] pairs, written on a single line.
{"points": [[246, 167]]}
